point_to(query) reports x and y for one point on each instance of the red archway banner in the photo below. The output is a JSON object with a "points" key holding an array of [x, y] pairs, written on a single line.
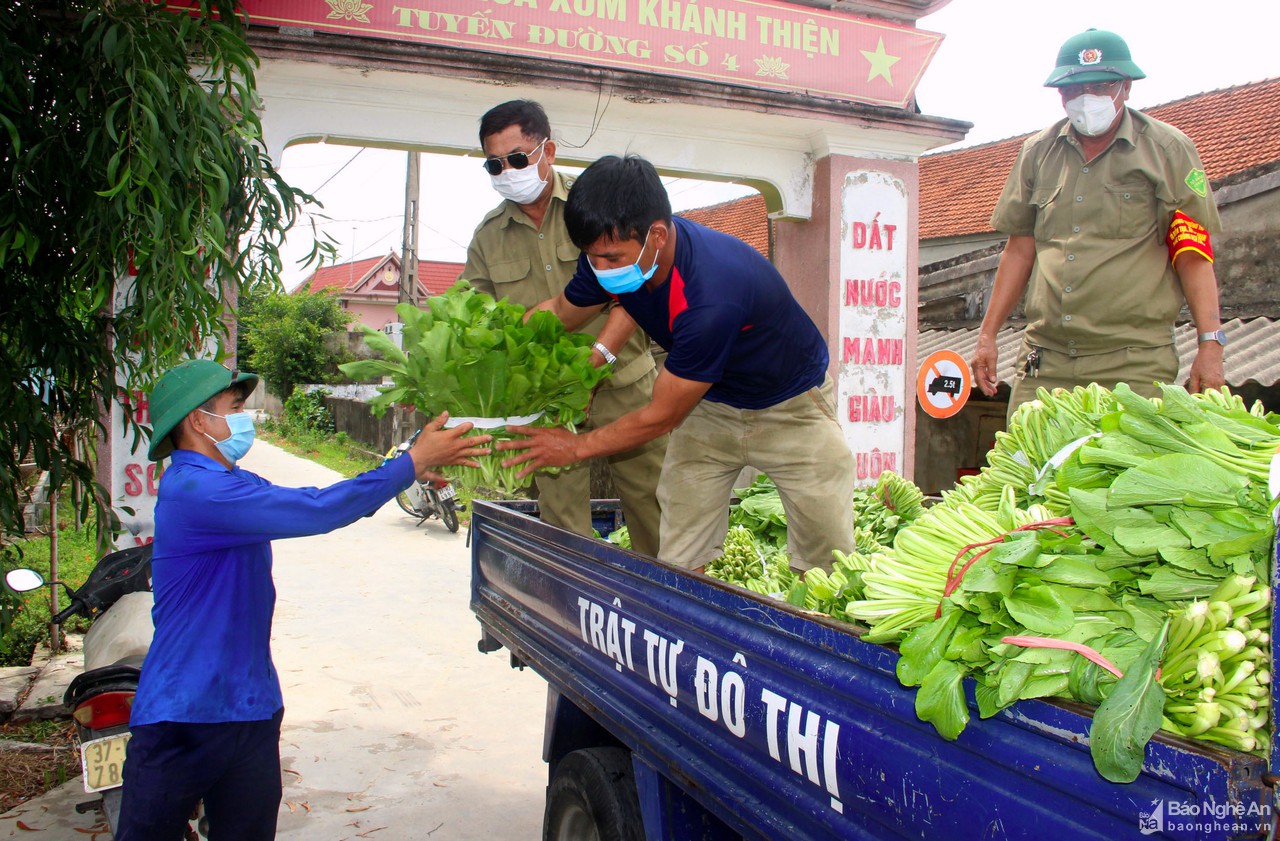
{"points": [[754, 43]]}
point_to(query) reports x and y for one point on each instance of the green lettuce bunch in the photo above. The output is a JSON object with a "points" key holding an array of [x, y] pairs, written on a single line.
{"points": [[473, 356]]}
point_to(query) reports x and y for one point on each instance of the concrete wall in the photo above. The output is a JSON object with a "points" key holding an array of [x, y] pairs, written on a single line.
{"points": [[261, 401], [376, 434], [810, 254], [944, 248], [954, 292], [1247, 256]]}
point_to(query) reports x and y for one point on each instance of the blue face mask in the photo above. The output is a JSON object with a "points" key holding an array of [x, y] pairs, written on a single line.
{"points": [[626, 279], [235, 445]]}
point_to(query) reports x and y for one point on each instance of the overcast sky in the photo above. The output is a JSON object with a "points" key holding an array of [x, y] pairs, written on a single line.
{"points": [[989, 71]]}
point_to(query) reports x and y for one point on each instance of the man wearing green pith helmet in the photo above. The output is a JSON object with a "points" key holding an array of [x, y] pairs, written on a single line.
{"points": [[1109, 215], [205, 721]]}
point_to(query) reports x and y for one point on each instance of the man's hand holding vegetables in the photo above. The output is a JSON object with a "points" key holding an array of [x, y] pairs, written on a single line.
{"points": [[521, 251], [745, 382], [436, 446]]}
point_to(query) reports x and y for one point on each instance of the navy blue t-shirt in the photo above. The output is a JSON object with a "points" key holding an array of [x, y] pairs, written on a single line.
{"points": [[725, 316]]}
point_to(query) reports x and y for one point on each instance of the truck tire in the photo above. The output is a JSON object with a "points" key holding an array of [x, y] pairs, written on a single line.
{"points": [[593, 798]]}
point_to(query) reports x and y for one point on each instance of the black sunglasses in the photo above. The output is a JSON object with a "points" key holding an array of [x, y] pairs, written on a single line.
{"points": [[516, 160]]}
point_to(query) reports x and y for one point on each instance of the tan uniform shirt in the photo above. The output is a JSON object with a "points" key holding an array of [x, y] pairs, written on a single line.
{"points": [[499, 263], [1102, 278]]}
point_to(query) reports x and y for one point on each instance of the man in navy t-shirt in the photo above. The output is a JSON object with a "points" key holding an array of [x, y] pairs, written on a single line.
{"points": [[745, 381]]}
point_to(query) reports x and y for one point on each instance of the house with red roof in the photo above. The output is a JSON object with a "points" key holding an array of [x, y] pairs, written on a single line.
{"points": [[1235, 132], [370, 289]]}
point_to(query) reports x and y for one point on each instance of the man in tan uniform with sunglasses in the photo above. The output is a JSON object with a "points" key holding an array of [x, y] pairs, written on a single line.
{"points": [[521, 251]]}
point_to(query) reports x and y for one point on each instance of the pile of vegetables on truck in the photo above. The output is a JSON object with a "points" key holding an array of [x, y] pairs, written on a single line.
{"points": [[1116, 550]]}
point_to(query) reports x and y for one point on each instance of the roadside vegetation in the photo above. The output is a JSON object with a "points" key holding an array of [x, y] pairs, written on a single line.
{"points": [[290, 338], [24, 617], [41, 755], [122, 162], [49, 760]]}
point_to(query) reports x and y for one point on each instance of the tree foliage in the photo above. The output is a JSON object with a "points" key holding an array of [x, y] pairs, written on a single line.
{"points": [[128, 144], [293, 339]]}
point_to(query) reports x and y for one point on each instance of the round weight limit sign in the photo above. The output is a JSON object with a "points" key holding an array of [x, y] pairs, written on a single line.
{"points": [[943, 384]]}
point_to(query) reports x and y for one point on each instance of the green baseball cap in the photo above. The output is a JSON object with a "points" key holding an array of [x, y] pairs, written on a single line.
{"points": [[1093, 56], [182, 390]]}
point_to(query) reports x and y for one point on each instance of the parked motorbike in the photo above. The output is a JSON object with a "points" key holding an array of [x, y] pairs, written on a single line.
{"points": [[117, 598], [425, 500]]}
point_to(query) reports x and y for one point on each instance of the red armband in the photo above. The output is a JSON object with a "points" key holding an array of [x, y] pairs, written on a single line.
{"points": [[1186, 234]]}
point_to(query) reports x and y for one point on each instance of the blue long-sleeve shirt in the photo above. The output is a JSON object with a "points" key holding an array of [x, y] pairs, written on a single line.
{"points": [[210, 659]]}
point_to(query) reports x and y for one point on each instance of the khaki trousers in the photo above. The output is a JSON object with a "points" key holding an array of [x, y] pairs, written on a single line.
{"points": [[1140, 367], [565, 499], [798, 443]]}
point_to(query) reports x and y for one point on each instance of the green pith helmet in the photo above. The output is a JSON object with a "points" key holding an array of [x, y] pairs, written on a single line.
{"points": [[1093, 56], [182, 390]]}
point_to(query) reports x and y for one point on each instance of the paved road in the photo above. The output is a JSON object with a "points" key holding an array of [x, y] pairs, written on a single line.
{"points": [[395, 726]]}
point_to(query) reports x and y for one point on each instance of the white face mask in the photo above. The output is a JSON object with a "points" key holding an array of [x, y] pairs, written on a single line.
{"points": [[1091, 114], [521, 186]]}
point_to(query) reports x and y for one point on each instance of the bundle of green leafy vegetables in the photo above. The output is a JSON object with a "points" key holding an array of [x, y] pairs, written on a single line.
{"points": [[1111, 529], [882, 510], [878, 511], [759, 510], [620, 536], [878, 514], [475, 357], [753, 565]]}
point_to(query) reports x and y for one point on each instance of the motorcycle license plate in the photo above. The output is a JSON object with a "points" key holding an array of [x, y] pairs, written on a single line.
{"points": [[103, 761], [447, 492]]}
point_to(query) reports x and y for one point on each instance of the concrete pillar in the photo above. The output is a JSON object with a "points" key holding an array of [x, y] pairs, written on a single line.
{"points": [[852, 265]]}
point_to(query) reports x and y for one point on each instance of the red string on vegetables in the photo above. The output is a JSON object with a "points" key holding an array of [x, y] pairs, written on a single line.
{"points": [[954, 577]]}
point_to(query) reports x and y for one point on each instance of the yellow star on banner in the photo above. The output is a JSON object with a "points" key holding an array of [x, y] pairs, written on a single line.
{"points": [[881, 62]]}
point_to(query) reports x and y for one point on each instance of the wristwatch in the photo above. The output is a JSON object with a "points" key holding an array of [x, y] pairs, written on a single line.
{"points": [[605, 352], [1213, 336]]}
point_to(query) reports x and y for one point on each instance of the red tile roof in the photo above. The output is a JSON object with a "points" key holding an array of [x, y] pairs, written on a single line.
{"points": [[434, 276], [340, 276], [743, 218], [1234, 130]]}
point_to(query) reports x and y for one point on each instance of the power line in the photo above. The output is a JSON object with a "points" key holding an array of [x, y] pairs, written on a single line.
{"points": [[340, 169], [329, 220], [444, 235], [356, 256]]}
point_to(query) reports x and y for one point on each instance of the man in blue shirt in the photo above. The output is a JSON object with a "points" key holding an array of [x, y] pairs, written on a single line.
{"points": [[745, 382], [206, 718]]}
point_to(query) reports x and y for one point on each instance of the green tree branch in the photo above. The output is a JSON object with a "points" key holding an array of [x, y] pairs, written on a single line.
{"points": [[128, 141]]}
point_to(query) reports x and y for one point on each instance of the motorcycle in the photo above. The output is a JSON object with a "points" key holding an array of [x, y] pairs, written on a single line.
{"points": [[427, 499], [117, 598]]}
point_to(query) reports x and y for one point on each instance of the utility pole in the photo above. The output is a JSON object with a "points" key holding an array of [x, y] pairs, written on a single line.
{"points": [[409, 247]]}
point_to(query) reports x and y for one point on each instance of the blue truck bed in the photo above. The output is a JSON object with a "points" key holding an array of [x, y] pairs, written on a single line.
{"points": [[747, 717]]}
